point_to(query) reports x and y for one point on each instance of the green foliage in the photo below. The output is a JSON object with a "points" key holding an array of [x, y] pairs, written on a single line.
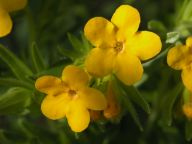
{"points": [[134, 94], [20, 70], [48, 35], [37, 58], [14, 101], [169, 101], [128, 103], [157, 27], [188, 130]]}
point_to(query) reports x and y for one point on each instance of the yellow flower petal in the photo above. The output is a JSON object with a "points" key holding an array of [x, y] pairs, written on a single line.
{"points": [[100, 32], [54, 107], [127, 19], [13, 5], [50, 85], [179, 57], [93, 99], [5, 23], [144, 44], [128, 68], [78, 116], [187, 77], [189, 41], [75, 76], [187, 110], [100, 62]]}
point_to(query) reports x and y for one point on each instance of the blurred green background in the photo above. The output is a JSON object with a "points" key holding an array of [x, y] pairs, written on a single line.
{"points": [[48, 30]]}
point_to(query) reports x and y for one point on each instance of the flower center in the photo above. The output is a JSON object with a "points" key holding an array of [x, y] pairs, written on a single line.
{"points": [[118, 47], [72, 93]]}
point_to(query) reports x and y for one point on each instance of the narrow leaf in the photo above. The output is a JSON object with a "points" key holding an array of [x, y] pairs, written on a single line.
{"points": [[56, 71], [125, 99], [76, 43], [37, 58], [132, 111], [168, 103], [11, 82], [68, 53], [20, 70], [188, 130], [157, 27], [134, 95], [14, 101], [86, 44]]}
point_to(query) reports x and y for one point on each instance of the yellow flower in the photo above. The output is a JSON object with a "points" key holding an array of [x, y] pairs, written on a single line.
{"points": [[180, 58], [70, 96], [113, 107], [118, 46], [95, 115], [187, 110], [187, 106], [7, 6]]}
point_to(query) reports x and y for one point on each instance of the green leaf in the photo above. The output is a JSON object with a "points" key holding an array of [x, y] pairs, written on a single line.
{"points": [[134, 95], [172, 37], [3, 139], [188, 130], [185, 13], [158, 27], [63, 137], [11, 82], [56, 71], [76, 43], [20, 70], [168, 103], [37, 58], [69, 53], [14, 101], [86, 44], [132, 111], [125, 99]]}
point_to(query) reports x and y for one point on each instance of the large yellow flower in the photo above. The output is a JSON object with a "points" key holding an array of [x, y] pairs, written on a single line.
{"points": [[180, 58], [70, 96], [118, 46], [7, 6]]}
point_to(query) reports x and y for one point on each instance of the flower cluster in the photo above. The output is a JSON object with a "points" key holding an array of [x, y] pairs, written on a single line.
{"points": [[180, 58], [119, 49], [7, 6]]}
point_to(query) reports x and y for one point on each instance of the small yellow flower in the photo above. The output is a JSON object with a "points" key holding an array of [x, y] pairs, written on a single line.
{"points": [[70, 96], [180, 58], [113, 107], [187, 106], [118, 46], [7, 6], [187, 110], [95, 115]]}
